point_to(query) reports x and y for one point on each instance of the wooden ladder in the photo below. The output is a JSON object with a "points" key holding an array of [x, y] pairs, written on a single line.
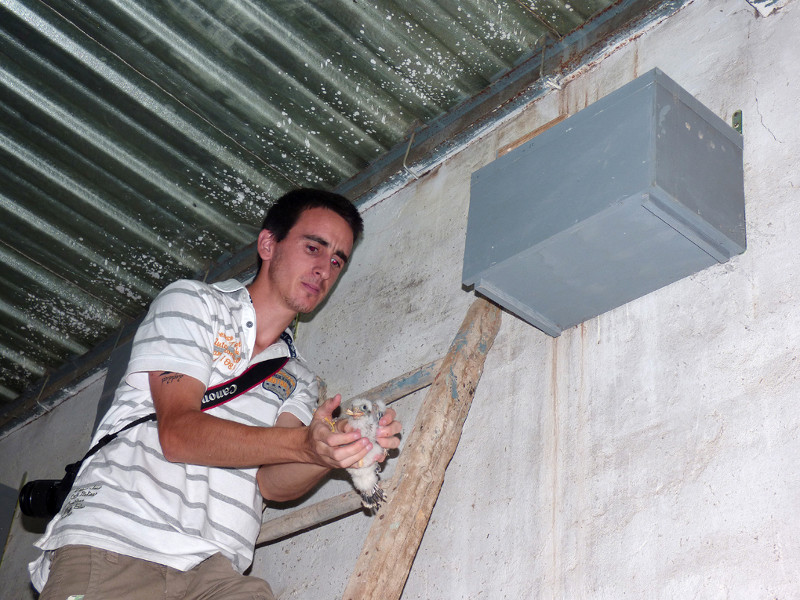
{"points": [[393, 539]]}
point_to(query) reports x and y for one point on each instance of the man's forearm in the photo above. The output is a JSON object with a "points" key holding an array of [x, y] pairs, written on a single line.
{"points": [[288, 481], [230, 444], [191, 436]]}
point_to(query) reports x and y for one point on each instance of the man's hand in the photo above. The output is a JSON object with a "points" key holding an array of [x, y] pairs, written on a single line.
{"points": [[325, 448], [333, 448], [341, 444]]}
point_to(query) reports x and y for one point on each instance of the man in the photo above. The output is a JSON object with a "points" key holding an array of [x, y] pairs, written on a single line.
{"points": [[171, 508]]}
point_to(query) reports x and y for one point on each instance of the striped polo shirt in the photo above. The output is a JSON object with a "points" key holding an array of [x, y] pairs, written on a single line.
{"points": [[127, 497]]}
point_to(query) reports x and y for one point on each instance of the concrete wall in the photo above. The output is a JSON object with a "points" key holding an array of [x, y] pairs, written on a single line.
{"points": [[647, 453], [41, 450]]}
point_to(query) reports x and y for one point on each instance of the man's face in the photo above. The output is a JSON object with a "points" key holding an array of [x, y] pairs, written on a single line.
{"points": [[306, 263]]}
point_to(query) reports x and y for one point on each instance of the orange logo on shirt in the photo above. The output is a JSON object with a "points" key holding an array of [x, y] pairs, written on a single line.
{"points": [[230, 351]]}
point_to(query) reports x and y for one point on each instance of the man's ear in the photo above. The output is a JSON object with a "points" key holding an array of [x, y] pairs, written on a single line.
{"points": [[266, 245]]}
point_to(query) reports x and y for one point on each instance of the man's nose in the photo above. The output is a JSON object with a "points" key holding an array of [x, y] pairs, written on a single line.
{"points": [[323, 267]]}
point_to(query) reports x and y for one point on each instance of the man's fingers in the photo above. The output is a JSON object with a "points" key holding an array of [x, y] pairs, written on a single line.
{"points": [[388, 417], [347, 454], [325, 410], [362, 446]]}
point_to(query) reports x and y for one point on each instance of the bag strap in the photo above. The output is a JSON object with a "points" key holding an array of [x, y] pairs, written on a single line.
{"points": [[214, 396]]}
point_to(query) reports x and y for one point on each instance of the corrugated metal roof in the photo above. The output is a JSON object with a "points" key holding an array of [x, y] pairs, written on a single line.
{"points": [[141, 140]]}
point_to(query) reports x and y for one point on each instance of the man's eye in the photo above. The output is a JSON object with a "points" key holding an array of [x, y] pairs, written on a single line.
{"points": [[312, 249]]}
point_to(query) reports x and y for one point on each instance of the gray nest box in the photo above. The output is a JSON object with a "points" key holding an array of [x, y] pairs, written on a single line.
{"points": [[640, 189]]}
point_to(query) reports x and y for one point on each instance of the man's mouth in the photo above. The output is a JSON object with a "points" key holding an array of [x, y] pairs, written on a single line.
{"points": [[311, 287]]}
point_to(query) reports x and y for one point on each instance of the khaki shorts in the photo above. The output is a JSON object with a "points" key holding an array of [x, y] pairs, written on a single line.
{"points": [[86, 573]]}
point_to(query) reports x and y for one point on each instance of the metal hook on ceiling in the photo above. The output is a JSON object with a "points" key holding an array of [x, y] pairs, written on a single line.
{"points": [[544, 52], [408, 149], [550, 81]]}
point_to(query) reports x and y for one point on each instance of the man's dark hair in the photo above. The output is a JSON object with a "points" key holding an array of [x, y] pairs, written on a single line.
{"points": [[284, 214]]}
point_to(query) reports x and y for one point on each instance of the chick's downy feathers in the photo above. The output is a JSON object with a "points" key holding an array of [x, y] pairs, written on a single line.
{"points": [[363, 415]]}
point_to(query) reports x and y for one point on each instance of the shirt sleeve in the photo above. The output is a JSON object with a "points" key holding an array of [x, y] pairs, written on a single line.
{"points": [[176, 335], [303, 400]]}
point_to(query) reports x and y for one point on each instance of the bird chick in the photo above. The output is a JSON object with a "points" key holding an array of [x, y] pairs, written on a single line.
{"points": [[363, 415]]}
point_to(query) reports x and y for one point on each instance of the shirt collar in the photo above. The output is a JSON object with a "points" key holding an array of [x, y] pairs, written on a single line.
{"points": [[229, 285], [286, 338], [284, 346]]}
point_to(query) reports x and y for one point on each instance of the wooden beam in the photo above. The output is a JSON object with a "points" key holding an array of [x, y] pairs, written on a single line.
{"points": [[349, 502], [393, 540], [405, 384], [307, 517]]}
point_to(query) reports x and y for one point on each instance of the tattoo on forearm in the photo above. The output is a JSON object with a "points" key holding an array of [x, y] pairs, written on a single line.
{"points": [[170, 377]]}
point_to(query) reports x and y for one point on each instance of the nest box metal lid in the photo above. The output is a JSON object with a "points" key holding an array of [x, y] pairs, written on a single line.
{"points": [[640, 189]]}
